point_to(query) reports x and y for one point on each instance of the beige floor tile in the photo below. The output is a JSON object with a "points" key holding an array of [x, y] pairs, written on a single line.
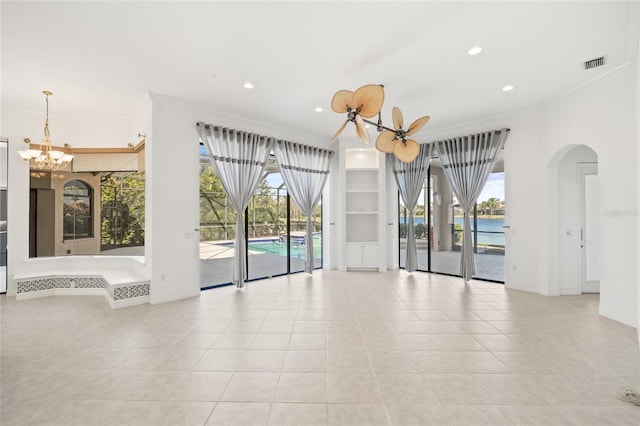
{"points": [[511, 389], [210, 326], [283, 414], [443, 327], [538, 360], [357, 414], [392, 361], [477, 327], [163, 413], [240, 414], [535, 416], [262, 360], [349, 326], [437, 362], [313, 327], [460, 315], [276, 326], [305, 361], [199, 386], [348, 361], [457, 389], [308, 342], [415, 414], [282, 314], [383, 342], [233, 341], [348, 388], [270, 341], [345, 341], [175, 359], [404, 388], [305, 314], [251, 387], [480, 362], [244, 326], [220, 360], [196, 341], [302, 387], [148, 386], [476, 415]]}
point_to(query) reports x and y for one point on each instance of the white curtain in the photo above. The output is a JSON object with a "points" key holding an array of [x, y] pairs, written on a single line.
{"points": [[239, 160], [410, 179], [304, 170], [467, 162]]}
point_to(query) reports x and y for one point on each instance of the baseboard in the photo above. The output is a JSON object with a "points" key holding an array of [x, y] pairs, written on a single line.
{"points": [[571, 292], [172, 298], [608, 313], [123, 303], [527, 289], [35, 294]]}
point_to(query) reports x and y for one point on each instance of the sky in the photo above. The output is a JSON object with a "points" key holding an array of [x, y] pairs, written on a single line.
{"points": [[493, 188]]}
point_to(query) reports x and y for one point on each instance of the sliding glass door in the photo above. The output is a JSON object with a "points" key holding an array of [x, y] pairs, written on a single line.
{"points": [[447, 224], [440, 242], [266, 224], [274, 227]]}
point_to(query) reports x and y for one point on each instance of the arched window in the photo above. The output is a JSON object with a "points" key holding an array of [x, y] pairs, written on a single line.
{"points": [[77, 210]]}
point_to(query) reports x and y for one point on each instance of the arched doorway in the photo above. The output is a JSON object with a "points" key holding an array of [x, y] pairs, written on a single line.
{"points": [[574, 234]]}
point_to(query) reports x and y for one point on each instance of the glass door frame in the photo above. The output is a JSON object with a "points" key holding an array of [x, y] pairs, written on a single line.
{"points": [[428, 213]]}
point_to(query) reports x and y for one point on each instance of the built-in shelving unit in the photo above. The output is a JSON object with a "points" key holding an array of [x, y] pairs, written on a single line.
{"points": [[362, 209]]}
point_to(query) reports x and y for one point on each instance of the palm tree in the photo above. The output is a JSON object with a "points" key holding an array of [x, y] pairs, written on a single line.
{"points": [[492, 204]]}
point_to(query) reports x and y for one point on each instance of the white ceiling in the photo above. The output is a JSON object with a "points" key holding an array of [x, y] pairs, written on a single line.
{"points": [[102, 57]]}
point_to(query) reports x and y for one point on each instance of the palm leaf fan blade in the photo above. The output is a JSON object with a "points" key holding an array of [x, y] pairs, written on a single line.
{"points": [[342, 101], [369, 99], [417, 125], [339, 132], [386, 141], [362, 130], [407, 151], [398, 120]]}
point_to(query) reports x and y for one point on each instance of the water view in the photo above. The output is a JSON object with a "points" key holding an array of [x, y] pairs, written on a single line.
{"points": [[490, 231]]}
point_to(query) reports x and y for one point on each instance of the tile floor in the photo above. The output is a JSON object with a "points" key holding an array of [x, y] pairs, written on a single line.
{"points": [[333, 349]]}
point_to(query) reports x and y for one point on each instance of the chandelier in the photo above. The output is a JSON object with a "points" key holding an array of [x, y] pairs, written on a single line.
{"points": [[365, 103], [45, 158]]}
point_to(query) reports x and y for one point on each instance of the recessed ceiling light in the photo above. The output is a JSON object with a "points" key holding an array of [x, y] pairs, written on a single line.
{"points": [[318, 109], [474, 50], [248, 85], [507, 88]]}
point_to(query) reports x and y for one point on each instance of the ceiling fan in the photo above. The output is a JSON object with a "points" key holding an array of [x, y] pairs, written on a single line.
{"points": [[366, 102]]}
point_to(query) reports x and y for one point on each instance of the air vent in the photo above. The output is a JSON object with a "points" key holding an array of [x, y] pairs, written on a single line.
{"points": [[594, 63]]}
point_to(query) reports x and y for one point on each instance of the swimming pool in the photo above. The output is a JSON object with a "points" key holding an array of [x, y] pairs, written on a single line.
{"points": [[279, 248]]}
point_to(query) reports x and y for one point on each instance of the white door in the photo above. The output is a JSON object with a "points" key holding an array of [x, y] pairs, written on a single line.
{"points": [[590, 231]]}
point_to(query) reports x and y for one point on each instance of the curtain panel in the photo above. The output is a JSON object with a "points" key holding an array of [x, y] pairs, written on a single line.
{"points": [[410, 180], [467, 163], [239, 159], [304, 170]]}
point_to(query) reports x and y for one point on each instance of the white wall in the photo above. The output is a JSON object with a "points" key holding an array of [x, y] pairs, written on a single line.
{"points": [[602, 116], [172, 213]]}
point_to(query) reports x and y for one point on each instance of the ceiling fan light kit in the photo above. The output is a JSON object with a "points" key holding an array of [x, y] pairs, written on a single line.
{"points": [[366, 102]]}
